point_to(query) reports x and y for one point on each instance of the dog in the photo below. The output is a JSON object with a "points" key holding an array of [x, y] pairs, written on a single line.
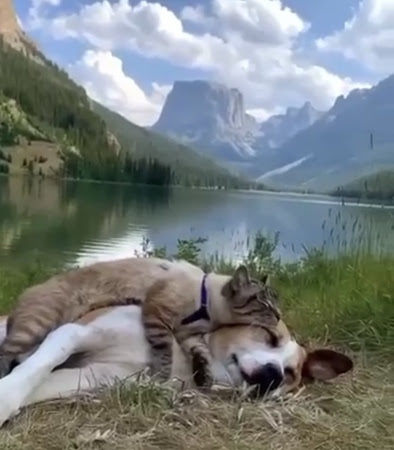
{"points": [[109, 345]]}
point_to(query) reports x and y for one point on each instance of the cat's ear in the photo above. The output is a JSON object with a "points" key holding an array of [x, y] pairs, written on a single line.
{"points": [[265, 279], [240, 279]]}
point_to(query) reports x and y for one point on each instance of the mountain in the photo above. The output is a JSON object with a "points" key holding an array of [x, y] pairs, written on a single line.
{"points": [[353, 139], [212, 118], [12, 33], [49, 126], [279, 128]]}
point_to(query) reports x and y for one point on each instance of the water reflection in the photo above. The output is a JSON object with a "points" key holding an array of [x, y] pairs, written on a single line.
{"points": [[83, 222]]}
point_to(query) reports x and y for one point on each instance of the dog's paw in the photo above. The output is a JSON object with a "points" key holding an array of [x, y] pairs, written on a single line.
{"points": [[10, 403], [7, 412]]}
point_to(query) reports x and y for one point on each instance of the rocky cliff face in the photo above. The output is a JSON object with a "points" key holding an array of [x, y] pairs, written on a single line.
{"points": [[278, 129], [12, 33], [210, 117]]}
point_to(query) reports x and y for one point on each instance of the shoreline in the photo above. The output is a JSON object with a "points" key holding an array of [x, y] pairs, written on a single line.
{"points": [[321, 198]]}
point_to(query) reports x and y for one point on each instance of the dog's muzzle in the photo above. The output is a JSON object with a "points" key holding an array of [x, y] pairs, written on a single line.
{"points": [[265, 379]]}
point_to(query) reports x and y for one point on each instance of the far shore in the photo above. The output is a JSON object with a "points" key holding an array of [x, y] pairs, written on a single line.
{"points": [[308, 197]]}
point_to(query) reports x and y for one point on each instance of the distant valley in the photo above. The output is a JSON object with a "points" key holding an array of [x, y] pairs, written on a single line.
{"points": [[212, 118]]}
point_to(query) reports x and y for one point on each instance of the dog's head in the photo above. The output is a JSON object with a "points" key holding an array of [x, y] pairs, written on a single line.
{"points": [[251, 300], [270, 359]]}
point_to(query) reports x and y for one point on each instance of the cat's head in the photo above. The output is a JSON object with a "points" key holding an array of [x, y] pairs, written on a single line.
{"points": [[252, 300]]}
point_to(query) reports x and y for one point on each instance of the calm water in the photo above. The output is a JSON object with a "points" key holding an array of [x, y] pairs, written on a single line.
{"points": [[84, 222]]}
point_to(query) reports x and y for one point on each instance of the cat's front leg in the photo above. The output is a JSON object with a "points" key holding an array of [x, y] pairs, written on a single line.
{"points": [[160, 340], [197, 351]]}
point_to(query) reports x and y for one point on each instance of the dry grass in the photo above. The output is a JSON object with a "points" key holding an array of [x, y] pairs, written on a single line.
{"points": [[355, 412], [33, 152]]}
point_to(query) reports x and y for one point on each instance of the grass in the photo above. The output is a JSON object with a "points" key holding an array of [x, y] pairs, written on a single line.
{"points": [[346, 302], [355, 414]]}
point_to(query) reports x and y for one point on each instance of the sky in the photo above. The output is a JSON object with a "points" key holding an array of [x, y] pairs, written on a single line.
{"points": [[278, 53]]}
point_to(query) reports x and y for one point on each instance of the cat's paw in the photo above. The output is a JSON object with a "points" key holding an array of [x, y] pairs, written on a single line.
{"points": [[202, 375]]}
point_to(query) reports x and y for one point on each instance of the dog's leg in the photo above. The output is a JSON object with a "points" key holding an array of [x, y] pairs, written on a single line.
{"points": [[66, 383], [25, 378]]}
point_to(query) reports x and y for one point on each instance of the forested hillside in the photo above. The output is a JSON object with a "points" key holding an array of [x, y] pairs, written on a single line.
{"points": [[40, 104], [378, 186], [188, 167], [53, 103]]}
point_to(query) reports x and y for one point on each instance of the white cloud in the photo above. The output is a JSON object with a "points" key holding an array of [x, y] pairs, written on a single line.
{"points": [[259, 21], [122, 25], [248, 44], [19, 21], [194, 14], [36, 17], [367, 37], [262, 115], [102, 75], [160, 92]]}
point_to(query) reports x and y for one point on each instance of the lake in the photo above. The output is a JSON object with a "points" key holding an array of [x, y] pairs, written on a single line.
{"points": [[80, 222]]}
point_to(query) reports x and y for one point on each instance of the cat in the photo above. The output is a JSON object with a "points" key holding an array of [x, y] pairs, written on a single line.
{"points": [[177, 300]]}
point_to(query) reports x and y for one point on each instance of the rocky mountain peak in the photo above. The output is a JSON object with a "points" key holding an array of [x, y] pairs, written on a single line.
{"points": [[12, 33], [279, 128], [8, 20], [211, 117], [189, 102], [208, 115]]}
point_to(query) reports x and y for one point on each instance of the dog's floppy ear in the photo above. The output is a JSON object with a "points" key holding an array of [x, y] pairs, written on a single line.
{"points": [[240, 279], [325, 364]]}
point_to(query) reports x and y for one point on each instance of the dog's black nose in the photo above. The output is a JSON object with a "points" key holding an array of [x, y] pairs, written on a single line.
{"points": [[266, 378]]}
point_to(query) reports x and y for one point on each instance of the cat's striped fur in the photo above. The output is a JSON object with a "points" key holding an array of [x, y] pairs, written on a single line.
{"points": [[168, 291]]}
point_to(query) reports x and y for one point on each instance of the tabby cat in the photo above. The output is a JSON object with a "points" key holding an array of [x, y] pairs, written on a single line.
{"points": [[177, 300]]}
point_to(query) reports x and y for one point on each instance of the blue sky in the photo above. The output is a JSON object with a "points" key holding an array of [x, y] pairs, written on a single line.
{"points": [[279, 53]]}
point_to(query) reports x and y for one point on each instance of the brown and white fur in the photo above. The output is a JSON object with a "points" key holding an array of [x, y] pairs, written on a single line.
{"points": [[168, 292], [109, 345]]}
